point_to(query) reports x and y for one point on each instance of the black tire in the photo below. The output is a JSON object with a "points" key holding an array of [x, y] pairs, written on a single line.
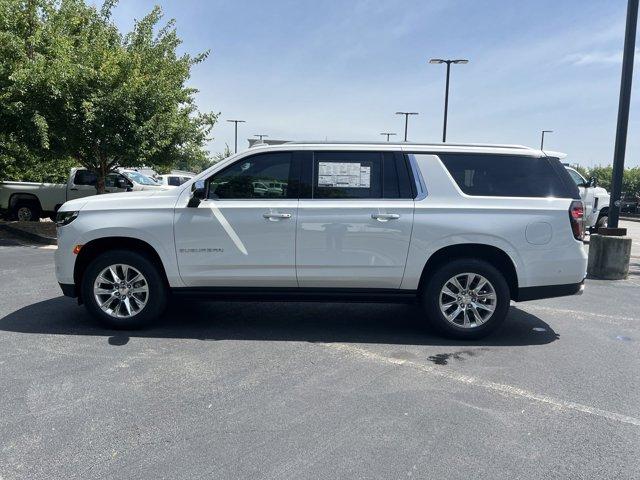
{"points": [[602, 222], [431, 298], [26, 212], [157, 295]]}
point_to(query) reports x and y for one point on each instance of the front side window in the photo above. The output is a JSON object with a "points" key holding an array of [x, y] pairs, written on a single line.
{"points": [[506, 175], [111, 180], [267, 175], [115, 180]]}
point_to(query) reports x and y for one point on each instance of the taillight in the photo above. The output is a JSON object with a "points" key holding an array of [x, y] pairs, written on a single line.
{"points": [[576, 216]]}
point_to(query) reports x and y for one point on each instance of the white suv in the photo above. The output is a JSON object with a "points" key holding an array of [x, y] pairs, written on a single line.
{"points": [[463, 229]]}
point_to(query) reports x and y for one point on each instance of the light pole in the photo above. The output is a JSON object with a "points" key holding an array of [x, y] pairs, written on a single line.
{"points": [[406, 121], [388, 134], [623, 113], [235, 143], [261, 137], [542, 138], [446, 91]]}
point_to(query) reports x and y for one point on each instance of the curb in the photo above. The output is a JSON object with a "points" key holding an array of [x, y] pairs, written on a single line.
{"points": [[34, 237]]}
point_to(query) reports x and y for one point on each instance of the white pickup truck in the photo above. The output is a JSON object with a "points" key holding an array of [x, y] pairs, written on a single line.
{"points": [[595, 198], [29, 201]]}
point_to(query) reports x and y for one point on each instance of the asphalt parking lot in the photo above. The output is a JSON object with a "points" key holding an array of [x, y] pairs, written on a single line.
{"points": [[255, 390]]}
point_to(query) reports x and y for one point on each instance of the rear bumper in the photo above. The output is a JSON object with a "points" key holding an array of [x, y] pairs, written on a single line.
{"points": [[68, 290], [549, 291]]}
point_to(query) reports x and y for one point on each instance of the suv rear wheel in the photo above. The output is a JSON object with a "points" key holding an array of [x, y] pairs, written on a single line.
{"points": [[124, 289], [466, 299]]}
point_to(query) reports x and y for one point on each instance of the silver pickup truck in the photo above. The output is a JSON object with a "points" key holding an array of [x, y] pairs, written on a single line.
{"points": [[29, 201]]}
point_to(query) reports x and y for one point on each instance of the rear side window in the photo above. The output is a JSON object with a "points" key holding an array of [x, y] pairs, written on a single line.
{"points": [[359, 175], [507, 175], [84, 177], [347, 175], [173, 181]]}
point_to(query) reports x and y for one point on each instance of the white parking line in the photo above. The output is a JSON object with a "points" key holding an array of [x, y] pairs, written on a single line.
{"points": [[556, 403]]}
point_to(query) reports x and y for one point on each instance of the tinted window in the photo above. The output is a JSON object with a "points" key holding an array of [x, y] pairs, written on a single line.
{"points": [[396, 182], [84, 177], [505, 175], [266, 175], [174, 181], [110, 180], [347, 175]]}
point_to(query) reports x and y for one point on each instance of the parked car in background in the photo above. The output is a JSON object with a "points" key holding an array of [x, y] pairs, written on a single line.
{"points": [[630, 203], [30, 201], [595, 198], [174, 179], [460, 229]]}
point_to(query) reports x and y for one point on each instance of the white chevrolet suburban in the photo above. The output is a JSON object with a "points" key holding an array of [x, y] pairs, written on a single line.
{"points": [[462, 229]]}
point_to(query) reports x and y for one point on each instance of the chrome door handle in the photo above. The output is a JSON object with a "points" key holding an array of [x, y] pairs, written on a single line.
{"points": [[274, 216], [383, 217]]}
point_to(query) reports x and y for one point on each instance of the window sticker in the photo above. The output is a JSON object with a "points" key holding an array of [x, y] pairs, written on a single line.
{"points": [[344, 175]]}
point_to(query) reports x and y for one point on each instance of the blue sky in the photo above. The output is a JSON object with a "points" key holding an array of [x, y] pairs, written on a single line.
{"points": [[340, 69]]}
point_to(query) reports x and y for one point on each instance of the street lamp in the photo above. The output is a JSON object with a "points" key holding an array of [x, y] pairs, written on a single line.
{"points": [[623, 113], [542, 139], [261, 137], [446, 92], [406, 121], [388, 134], [236, 122]]}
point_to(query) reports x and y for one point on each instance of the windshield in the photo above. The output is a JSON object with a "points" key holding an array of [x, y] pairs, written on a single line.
{"points": [[139, 178]]}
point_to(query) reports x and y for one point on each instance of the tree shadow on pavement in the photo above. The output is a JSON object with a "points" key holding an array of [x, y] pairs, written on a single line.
{"points": [[310, 322]]}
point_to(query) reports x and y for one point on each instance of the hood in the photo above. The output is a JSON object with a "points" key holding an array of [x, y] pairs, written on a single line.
{"points": [[149, 188], [113, 200]]}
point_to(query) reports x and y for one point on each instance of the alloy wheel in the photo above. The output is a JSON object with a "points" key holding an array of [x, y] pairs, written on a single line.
{"points": [[121, 291], [467, 300]]}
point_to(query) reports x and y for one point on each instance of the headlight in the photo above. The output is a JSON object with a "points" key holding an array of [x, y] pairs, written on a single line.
{"points": [[65, 218]]}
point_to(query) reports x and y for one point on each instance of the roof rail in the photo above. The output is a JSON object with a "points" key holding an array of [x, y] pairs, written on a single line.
{"points": [[416, 144]]}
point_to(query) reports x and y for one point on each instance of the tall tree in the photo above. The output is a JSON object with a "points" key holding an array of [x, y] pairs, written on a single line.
{"points": [[71, 85]]}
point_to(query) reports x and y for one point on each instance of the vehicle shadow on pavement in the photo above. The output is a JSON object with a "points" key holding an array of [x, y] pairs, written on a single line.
{"points": [[311, 322]]}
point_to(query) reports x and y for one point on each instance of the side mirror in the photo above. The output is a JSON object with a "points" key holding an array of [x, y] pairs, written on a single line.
{"points": [[593, 182], [198, 193]]}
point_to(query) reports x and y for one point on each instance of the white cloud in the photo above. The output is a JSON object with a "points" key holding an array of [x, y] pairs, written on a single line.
{"points": [[598, 58]]}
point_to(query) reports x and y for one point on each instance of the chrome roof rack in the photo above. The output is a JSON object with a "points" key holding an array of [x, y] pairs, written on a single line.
{"points": [[408, 144]]}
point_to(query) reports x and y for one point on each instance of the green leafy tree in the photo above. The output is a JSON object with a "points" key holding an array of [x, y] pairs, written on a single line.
{"points": [[72, 86], [217, 157]]}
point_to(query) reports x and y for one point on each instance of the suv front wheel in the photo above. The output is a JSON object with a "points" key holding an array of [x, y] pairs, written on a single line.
{"points": [[124, 289], [466, 299]]}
